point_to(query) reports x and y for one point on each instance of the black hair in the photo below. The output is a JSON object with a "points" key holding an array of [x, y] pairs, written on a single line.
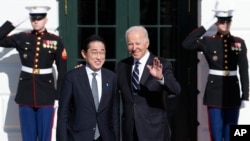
{"points": [[90, 39]]}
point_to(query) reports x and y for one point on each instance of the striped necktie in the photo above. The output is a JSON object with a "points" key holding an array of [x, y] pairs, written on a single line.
{"points": [[135, 78]]}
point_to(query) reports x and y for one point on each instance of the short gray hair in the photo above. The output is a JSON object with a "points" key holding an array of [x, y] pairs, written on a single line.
{"points": [[136, 28]]}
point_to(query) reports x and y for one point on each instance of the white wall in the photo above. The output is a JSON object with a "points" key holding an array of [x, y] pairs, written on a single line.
{"points": [[240, 27], [10, 63]]}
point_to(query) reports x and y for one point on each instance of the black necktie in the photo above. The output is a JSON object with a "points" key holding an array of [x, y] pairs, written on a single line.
{"points": [[96, 99], [135, 78]]}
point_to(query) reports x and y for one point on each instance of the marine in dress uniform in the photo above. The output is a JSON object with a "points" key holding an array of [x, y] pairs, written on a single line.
{"points": [[36, 93], [224, 54]]}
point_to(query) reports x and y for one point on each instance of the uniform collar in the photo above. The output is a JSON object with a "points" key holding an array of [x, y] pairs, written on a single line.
{"points": [[218, 34], [39, 33]]}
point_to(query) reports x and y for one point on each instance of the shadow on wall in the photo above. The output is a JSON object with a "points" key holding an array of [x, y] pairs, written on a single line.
{"points": [[9, 66]]}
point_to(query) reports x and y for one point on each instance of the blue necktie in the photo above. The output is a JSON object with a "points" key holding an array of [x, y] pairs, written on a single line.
{"points": [[135, 78], [96, 99]]}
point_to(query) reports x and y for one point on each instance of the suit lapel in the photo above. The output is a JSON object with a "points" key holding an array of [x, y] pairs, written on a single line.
{"points": [[85, 84], [146, 73], [106, 92], [129, 74]]}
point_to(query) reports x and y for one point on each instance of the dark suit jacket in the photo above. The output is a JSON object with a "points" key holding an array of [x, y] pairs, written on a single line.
{"points": [[222, 52], [77, 114], [147, 110]]}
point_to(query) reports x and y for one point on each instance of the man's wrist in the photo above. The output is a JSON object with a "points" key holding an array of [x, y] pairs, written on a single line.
{"points": [[161, 78]]}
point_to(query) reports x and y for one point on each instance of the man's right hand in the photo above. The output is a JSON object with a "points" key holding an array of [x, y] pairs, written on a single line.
{"points": [[210, 23], [19, 21]]}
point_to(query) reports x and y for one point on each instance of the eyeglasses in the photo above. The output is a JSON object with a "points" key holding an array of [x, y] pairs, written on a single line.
{"points": [[95, 53]]}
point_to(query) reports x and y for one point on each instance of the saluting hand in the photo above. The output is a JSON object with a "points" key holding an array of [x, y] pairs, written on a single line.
{"points": [[156, 69]]}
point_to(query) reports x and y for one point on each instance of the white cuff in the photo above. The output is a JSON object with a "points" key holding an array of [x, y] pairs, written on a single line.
{"points": [[56, 103], [161, 81], [210, 23], [244, 103]]}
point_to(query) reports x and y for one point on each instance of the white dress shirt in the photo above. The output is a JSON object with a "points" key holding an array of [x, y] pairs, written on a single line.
{"points": [[142, 64], [98, 79]]}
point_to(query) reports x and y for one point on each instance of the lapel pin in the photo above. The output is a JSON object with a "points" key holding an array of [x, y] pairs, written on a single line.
{"points": [[108, 84]]}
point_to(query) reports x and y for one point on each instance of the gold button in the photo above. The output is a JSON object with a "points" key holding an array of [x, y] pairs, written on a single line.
{"points": [[38, 43], [225, 50], [25, 56], [36, 60], [37, 48], [37, 54], [226, 67], [50, 81], [226, 61], [225, 41], [225, 55], [38, 38], [215, 51], [26, 48], [36, 66], [225, 45]]}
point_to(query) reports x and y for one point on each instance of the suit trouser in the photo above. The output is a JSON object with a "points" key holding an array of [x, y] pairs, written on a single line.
{"points": [[135, 135], [220, 120], [36, 123]]}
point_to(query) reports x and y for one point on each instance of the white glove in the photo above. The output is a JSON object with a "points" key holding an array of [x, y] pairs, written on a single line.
{"points": [[19, 21], [210, 23], [56, 104], [244, 103]]}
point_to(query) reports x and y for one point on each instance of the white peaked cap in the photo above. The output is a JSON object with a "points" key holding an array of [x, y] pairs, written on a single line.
{"points": [[37, 9], [224, 8]]}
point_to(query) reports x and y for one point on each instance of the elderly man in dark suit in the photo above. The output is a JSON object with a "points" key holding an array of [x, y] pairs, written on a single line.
{"points": [[145, 81], [89, 101]]}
